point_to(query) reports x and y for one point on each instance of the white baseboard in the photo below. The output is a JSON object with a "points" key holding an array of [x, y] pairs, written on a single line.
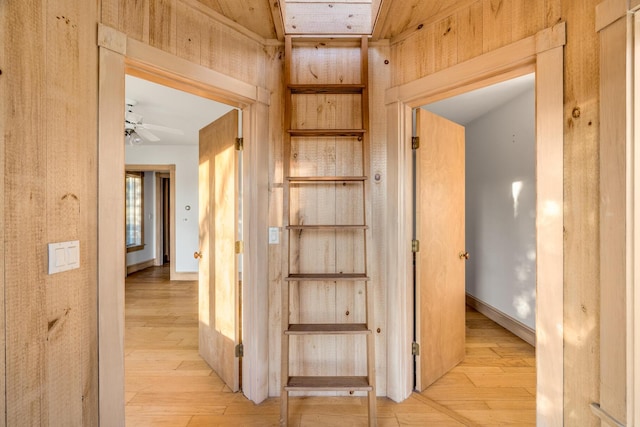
{"points": [[140, 266], [509, 323]]}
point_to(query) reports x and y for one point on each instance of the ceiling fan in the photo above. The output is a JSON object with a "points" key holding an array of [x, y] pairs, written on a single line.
{"points": [[135, 131]]}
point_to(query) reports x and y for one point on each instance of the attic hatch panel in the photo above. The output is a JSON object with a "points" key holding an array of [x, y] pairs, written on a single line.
{"points": [[332, 18]]}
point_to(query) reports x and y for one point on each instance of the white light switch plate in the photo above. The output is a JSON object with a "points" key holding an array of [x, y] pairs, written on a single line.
{"points": [[274, 235], [64, 256]]}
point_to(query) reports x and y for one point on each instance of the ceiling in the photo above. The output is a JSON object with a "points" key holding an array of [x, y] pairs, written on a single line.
{"points": [[384, 19], [465, 108], [161, 105]]}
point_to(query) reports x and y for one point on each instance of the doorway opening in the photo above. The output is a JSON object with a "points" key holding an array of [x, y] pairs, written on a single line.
{"points": [[163, 230], [495, 227], [194, 197], [119, 56]]}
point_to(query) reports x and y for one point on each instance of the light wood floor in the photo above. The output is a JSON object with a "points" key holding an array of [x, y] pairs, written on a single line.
{"points": [[168, 384]]}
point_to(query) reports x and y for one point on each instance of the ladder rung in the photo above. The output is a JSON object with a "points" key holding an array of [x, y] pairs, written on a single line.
{"points": [[322, 179], [332, 277], [328, 384], [326, 88], [326, 132], [327, 329], [328, 227]]}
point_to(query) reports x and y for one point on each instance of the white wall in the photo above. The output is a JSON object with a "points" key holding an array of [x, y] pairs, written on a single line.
{"points": [[500, 230], [185, 157]]}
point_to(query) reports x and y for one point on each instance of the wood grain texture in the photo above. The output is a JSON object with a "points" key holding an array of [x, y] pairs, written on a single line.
{"points": [[25, 296], [162, 24], [167, 383], [634, 257], [254, 15], [189, 33], [218, 276], [550, 253], [497, 23], [581, 216], [468, 30], [4, 108], [528, 18], [327, 18], [439, 215], [377, 248], [49, 360], [276, 183], [613, 218], [193, 31], [71, 213], [402, 17], [111, 238], [130, 14]]}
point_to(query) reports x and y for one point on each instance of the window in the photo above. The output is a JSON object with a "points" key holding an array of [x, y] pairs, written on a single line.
{"points": [[134, 211]]}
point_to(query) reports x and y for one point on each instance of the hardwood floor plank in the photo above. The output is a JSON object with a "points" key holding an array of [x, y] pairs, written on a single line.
{"points": [[186, 410], [157, 421], [503, 380]]}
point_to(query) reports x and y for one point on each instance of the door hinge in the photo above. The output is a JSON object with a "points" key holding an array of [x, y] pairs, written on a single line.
{"points": [[239, 144], [239, 247], [415, 142], [240, 350], [415, 246], [415, 349]]}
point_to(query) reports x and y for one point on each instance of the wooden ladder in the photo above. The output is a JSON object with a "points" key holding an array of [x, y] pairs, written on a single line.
{"points": [[327, 299]]}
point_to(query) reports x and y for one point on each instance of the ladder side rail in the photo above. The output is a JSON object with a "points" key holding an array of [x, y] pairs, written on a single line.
{"points": [[284, 288]]}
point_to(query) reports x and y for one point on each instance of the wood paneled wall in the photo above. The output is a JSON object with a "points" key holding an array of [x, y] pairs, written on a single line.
{"points": [[581, 213], [48, 121], [186, 28], [480, 28], [49, 112]]}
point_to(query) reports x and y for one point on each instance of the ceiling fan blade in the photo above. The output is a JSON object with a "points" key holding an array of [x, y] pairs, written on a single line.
{"points": [[162, 128], [146, 134]]}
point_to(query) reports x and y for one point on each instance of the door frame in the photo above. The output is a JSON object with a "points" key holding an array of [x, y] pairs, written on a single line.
{"points": [[160, 222], [541, 53], [118, 55], [171, 171], [618, 26]]}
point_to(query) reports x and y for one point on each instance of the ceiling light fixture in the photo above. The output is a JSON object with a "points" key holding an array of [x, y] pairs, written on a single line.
{"points": [[131, 137]]}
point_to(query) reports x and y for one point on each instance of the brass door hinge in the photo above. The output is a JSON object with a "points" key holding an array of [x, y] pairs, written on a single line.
{"points": [[240, 350], [415, 246], [415, 142], [415, 349], [239, 144], [239, 247]]}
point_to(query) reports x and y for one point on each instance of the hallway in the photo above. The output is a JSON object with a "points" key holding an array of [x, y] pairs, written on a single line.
{"points": [[168, 384]]}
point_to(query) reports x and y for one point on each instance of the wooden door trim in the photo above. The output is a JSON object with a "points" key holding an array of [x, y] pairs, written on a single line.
{"points": [[119, 55], [617, 24], [543, 53]]}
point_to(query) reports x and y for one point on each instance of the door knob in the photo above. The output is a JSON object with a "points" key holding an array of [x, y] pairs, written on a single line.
{"points": [[197, 255], [464, 255]]}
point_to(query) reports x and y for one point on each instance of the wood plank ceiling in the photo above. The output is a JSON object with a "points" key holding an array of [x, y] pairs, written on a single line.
{"points": [[384, 19]]}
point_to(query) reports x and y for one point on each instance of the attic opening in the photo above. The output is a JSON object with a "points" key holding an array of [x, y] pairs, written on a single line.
{"points": [[341, 17]]}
